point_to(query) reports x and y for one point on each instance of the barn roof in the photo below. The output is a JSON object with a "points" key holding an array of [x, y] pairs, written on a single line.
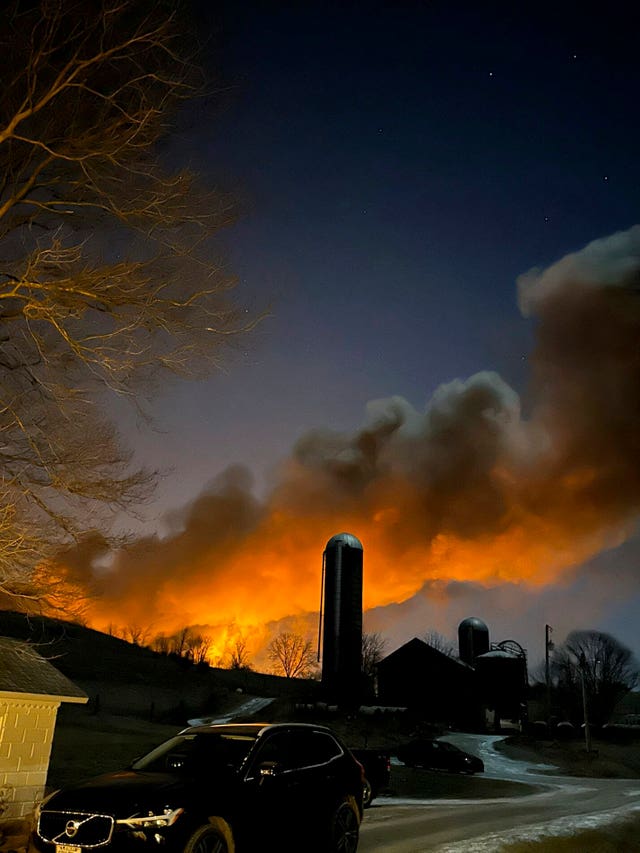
{"points": [[417, 649], [24, 672]]}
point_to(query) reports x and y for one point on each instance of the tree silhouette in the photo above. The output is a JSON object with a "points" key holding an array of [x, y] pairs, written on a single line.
{"points": [[373, 646], [109, 281], [608, 668], [440, 643], [239, 655], [292, 655]]}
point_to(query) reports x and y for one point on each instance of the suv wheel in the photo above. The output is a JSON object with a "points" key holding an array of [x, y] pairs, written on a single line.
{"points": [[367, 794], [345, 828], [214, 837]]}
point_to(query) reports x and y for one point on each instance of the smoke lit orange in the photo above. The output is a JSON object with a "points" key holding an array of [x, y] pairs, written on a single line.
{"points": [[468, 490]]}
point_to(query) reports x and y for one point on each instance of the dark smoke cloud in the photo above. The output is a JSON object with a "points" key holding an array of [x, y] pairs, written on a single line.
{"points": [[471, 465], [202, 537], [437, 468], [556, 486], [586, 377], [593, 597]]}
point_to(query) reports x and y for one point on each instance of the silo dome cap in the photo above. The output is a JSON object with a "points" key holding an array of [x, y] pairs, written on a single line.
{"points": [[347, 539], [497, 654], [474, 623]]}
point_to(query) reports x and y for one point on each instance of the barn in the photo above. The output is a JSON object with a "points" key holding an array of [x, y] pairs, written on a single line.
{"points": [[421, 678]]}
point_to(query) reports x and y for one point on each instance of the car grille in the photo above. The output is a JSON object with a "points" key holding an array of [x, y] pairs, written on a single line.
{"points": [[76, 828]]}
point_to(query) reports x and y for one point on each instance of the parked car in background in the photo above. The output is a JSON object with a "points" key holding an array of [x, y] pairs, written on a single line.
{"points": [[377, 772], [438, 755], [215, 789]]}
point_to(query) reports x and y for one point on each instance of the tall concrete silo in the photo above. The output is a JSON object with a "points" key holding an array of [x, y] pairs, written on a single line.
{"points": [[342, 618]]}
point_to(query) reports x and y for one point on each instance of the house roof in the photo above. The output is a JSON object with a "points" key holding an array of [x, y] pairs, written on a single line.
{"points": [[24, 671]]}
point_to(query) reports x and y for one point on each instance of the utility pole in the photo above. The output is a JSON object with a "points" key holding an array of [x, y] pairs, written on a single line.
{"points": [[548, 646], [587, 730]]}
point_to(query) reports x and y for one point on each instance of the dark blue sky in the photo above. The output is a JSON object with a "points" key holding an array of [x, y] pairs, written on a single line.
{"points": [[404, 162]]}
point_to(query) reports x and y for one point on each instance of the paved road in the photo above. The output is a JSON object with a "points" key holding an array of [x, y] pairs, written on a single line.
{"points": [[562, 805]]}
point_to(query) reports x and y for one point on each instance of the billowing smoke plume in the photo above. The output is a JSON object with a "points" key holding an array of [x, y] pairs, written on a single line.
{"points": [[478, 488]]}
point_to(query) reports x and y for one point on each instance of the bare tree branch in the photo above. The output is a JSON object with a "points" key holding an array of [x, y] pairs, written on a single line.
{"points": [[608, 668], [109, 279], [238, 655], [373, 646], [292, 655], [440, 643]]}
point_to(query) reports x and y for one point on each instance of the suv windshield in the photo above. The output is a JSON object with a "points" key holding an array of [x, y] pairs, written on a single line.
{"points": [[191, 753]]}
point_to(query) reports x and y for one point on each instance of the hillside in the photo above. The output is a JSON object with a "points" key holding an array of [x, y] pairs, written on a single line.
{"points": [[123, 679]]}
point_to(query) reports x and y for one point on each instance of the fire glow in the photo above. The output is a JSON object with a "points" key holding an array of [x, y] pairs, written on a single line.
{"points": [[470, 489]]}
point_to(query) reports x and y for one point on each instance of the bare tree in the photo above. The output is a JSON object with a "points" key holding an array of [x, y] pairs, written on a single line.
{"points": [[108, 279], [373, 646], [292, 655], [239, 655], [179, 643], [440, 643], [608, 668], [186, 643], [161, 644], [136, 634], [198, 646]]}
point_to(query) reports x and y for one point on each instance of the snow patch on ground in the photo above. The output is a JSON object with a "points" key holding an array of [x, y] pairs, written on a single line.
{"points": [[565, 826], [497, 765], [251, 706]]}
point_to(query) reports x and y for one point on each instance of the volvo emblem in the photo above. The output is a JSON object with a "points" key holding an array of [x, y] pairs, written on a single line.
{"points": [[71, 828]]}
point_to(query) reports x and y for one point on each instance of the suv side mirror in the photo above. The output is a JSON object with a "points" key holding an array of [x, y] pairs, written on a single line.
{"points": [[268, 769], [176, 762]]}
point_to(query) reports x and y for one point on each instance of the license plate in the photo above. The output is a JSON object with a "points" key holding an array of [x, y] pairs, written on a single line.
{"points": [[67, 848]]}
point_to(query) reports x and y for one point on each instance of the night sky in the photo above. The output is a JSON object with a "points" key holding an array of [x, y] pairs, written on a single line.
{"points": [[403, 164]]}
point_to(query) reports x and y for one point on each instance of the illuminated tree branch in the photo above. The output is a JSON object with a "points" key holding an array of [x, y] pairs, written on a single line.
{"points": [[109, 279], [292, 655]]}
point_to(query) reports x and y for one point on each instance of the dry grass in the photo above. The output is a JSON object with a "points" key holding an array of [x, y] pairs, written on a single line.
{"points": [[605, 761], [86, 745], [623, 837], [416, 783]]}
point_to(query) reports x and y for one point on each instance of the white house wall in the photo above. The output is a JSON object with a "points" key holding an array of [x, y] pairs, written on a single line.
{"points": [[26, 734]]}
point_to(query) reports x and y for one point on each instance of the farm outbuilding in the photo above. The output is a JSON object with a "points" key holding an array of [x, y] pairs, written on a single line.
{"points": [[31, 691]]}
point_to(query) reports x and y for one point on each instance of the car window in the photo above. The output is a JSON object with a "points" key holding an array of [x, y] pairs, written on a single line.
{"points": [[322, 748], [294, 750], [276, 748], [196, 753]]}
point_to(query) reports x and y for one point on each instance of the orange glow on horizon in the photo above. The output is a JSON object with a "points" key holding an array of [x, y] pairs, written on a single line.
{"points": [[271, 580], [474, 488]]}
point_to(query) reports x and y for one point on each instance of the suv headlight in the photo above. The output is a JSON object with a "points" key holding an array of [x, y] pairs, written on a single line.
{"points": [[167, 817], [40, 805]]}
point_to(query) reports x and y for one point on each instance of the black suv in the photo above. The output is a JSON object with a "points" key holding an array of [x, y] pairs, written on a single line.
{"points": [[215, 789], [438, 755]]}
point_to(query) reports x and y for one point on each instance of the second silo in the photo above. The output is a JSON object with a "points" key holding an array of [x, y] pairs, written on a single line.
{"points": [[473, 639], [342, 620]]}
